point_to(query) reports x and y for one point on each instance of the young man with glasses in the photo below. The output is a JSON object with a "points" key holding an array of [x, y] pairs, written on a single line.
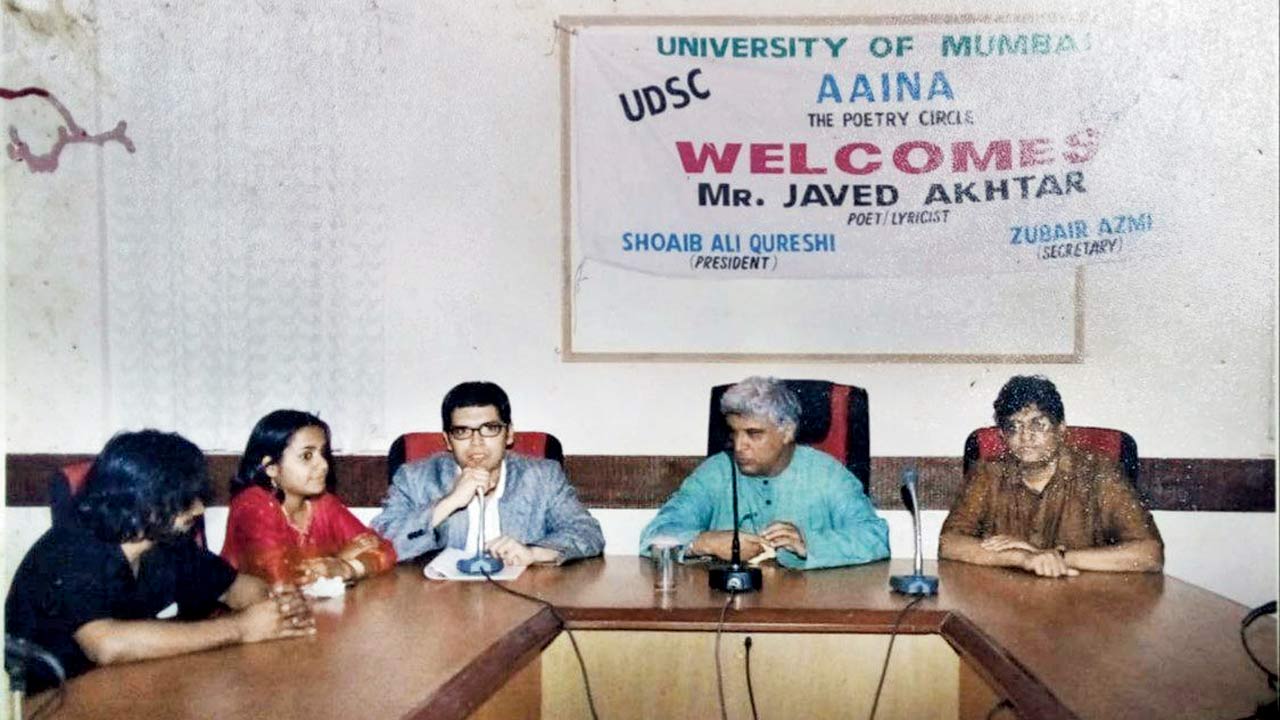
{"points": [[1044, 506], [532, 514]]}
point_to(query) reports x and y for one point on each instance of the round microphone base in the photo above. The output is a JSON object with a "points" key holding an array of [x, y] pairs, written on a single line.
{"points": [[484, 564], [914, 584], [735, 578]]}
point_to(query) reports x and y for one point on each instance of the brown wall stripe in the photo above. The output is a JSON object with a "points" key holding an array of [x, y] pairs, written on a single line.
{"points": [[644, 481]]}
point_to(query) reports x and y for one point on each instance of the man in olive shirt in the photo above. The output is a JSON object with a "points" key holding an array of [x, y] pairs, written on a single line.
{"points": [[1046, 507]]}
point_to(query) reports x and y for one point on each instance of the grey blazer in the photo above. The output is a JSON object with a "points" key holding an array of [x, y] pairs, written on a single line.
{"points": [[538, 507]]}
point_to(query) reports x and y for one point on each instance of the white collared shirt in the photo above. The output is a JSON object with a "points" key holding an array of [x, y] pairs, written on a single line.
{"points": [[492, 525]]}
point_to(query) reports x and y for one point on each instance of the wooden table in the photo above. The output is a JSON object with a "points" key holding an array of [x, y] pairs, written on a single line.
{"points": [[398, 646]]}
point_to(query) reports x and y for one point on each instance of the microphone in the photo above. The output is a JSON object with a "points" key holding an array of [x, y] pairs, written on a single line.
{"points": [[917, 583], [483, 563], [735, 577]]}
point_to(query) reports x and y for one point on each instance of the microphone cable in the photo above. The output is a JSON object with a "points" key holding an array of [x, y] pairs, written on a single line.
{"points": [[751, 693], [724, 715], [582, 665], [893, 634], [1254, 614]]}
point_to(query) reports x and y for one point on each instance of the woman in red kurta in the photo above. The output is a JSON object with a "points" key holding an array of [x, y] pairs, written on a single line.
{"points": [[285, 525]]}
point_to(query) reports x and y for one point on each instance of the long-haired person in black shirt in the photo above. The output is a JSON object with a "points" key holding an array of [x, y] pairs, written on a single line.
{"points": [[97, 591]]}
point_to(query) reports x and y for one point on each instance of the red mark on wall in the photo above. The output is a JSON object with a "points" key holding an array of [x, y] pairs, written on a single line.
{"points": [[69, 133]]}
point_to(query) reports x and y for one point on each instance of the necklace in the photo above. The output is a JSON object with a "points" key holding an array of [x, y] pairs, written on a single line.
{"points": [[301, 520]]}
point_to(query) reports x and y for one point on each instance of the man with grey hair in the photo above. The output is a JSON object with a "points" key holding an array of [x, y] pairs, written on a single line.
{"points": [[797, 502]]}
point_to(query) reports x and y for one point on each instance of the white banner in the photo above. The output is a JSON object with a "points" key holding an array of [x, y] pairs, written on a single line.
{"points": [[859, 151]]}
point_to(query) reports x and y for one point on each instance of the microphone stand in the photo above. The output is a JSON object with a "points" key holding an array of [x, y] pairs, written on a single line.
{"points": [[483, 563], [735, 577], [917, 583]]}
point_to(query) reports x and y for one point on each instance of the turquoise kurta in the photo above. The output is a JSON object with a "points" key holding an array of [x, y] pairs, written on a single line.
{"points": [[815, 493]]}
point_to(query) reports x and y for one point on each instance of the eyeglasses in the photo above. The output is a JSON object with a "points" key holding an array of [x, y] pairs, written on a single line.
{"points": [[487, 430], [1038, 426]]}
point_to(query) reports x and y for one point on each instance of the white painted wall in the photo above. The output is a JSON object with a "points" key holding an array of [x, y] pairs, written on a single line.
{"points": [[450, 153]]}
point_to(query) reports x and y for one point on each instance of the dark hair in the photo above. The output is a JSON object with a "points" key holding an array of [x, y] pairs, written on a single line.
{"points": [[1024, 390], [139, 483], [269, 439], [474, 394]]}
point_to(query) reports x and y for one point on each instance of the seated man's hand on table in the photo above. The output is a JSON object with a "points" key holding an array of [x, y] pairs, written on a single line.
{"points": [[719, 543], [284, 613], [1048, 563], [1043, 562], [784, 535], [512, 552]]}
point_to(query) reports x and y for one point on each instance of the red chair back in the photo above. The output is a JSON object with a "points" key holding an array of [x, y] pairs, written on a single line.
{"points": [[65, 484], [75, 474], [833, 419], [418, 445], [988, 444]]}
